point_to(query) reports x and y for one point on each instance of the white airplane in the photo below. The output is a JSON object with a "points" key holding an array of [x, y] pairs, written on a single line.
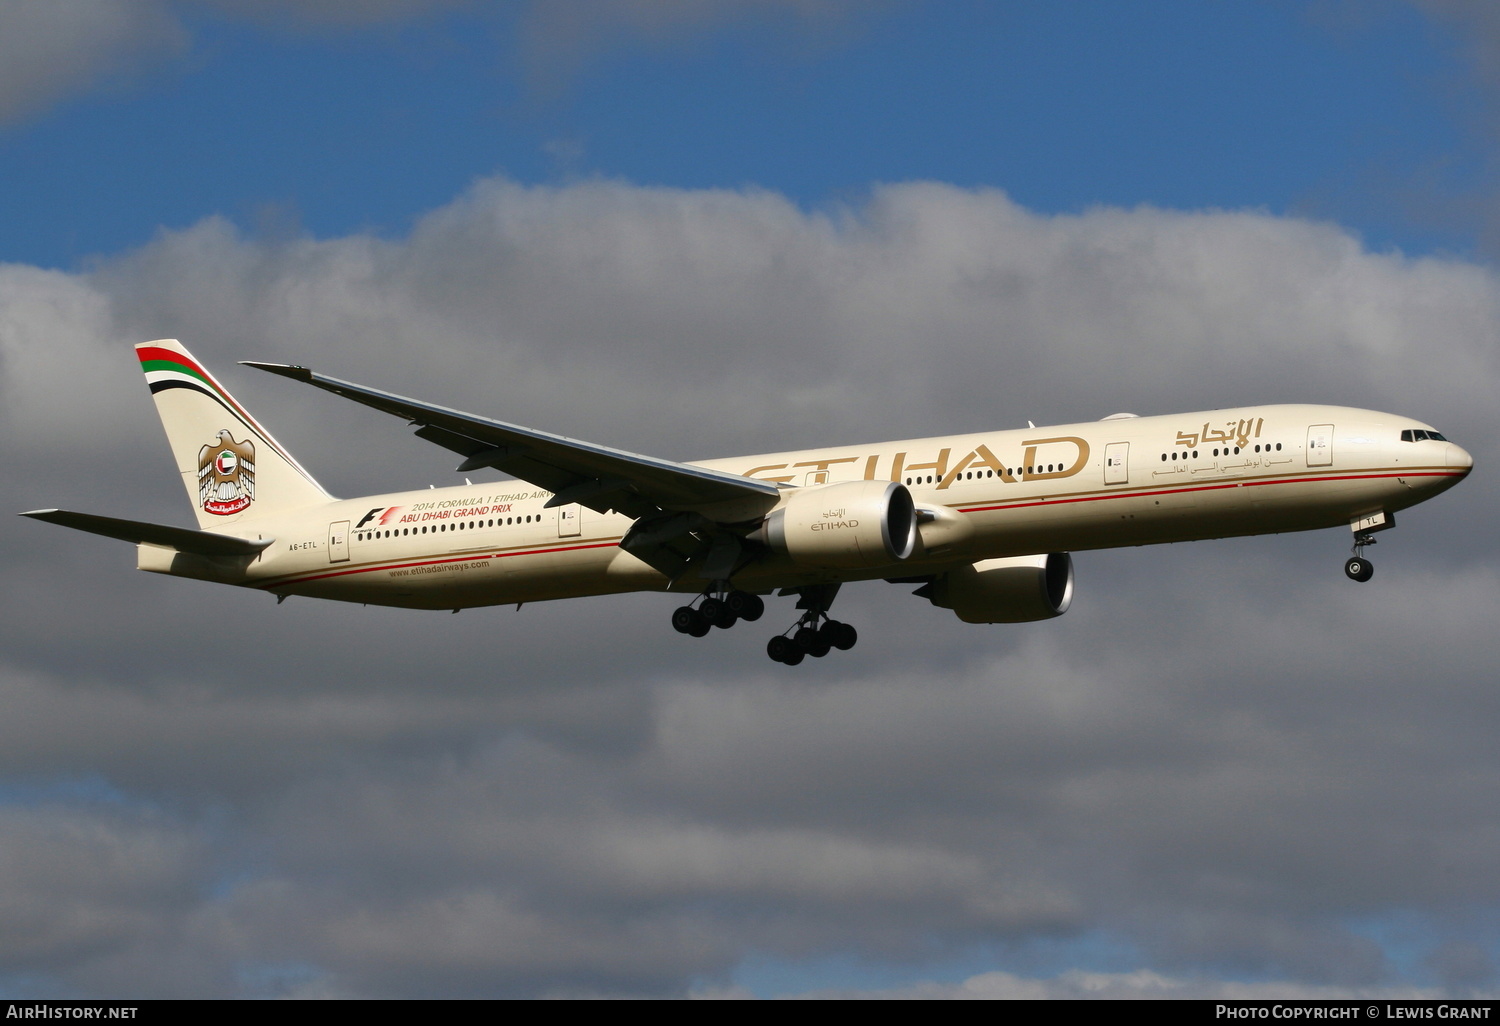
{"points": [[984, 523]]}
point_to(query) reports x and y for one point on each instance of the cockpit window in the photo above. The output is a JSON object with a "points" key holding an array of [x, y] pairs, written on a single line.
{"points": [[1419, 435]]}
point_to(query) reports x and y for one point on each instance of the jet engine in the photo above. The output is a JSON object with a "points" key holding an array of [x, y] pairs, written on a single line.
{"points": [[1012, 590], [850, 524]]}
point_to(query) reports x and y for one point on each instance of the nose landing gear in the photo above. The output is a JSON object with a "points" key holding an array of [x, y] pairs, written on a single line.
{"points": [[1358, 568]]}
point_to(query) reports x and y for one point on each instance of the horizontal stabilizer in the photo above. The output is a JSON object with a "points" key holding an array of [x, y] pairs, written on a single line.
{"points": [[200, 543]]}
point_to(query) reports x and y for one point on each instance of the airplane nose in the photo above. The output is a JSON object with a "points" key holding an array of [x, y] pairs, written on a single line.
{"points": [[1459, 457]]}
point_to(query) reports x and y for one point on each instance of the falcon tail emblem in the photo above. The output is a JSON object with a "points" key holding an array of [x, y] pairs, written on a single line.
{"points": [[226, 475]]}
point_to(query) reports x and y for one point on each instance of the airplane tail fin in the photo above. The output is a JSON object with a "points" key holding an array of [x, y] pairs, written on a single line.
{"points": [[231, 466]]}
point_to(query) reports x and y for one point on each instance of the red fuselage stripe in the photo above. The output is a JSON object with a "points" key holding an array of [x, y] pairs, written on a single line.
{"points": [[1208, 488], [432, 562]]}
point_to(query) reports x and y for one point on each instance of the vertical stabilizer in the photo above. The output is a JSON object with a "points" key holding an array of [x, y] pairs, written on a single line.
{"points": [[231, 466]]}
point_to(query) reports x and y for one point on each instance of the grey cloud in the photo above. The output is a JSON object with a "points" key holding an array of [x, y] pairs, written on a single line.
{"points": [[1481, 30], [55, 49], [78, 882], [59, 48], [1078, 985]]}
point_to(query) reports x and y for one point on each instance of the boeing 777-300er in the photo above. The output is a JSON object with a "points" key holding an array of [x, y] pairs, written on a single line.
{"points": [[984, 523]]}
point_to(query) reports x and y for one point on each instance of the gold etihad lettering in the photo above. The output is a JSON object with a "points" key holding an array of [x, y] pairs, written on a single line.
{"points": [[1234, 432], [774, 466], [981, 458], [1034, 470]]}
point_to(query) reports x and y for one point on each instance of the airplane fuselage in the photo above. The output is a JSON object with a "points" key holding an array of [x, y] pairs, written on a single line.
{"points": [[1103, 484]]}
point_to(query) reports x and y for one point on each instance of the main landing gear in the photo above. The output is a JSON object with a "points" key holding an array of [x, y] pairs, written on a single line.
{"points": [[1358, 568], [807, 638], [723, 610], [814, 634]]}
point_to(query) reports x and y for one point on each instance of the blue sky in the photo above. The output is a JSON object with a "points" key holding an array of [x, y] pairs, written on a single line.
{"points": [[1356, 116], [696, 229]]}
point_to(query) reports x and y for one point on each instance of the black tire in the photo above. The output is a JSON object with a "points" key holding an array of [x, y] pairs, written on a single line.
{"points": [[796, 657], [1359, 569], [746, 606], [819, 648], [781, 648], [712, 609], [702, 628], [684, 619], [845, 637], [805, 638]]}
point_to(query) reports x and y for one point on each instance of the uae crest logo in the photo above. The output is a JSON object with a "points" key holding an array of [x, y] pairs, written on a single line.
{"points": [[226, 475]]}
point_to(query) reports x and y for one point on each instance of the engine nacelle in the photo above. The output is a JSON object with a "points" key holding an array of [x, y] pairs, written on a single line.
{"points": [[1012, 590], [850, 524]]}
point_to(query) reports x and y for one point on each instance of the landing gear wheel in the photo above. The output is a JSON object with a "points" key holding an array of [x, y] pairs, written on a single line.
{"points": [[784, 650], [746, 606], [1359, 569], [687, 620], [717, 613], [808, 640], [840, 635]]}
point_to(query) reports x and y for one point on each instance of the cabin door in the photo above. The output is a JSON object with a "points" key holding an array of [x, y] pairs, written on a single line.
{"points": [[1116, 463], [338, 541], [568, 523], [1320, 445]]}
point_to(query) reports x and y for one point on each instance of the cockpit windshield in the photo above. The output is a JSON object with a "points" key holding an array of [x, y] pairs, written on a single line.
{"points": [[1419, 435]]}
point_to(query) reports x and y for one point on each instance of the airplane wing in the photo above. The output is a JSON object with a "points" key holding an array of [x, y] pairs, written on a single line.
{"points": [[202, 543], [668, 500], [594, 475]]}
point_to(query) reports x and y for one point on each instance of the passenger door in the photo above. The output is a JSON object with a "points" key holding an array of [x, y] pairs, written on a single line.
{"points": [[1320, 445], [338, 541]]}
